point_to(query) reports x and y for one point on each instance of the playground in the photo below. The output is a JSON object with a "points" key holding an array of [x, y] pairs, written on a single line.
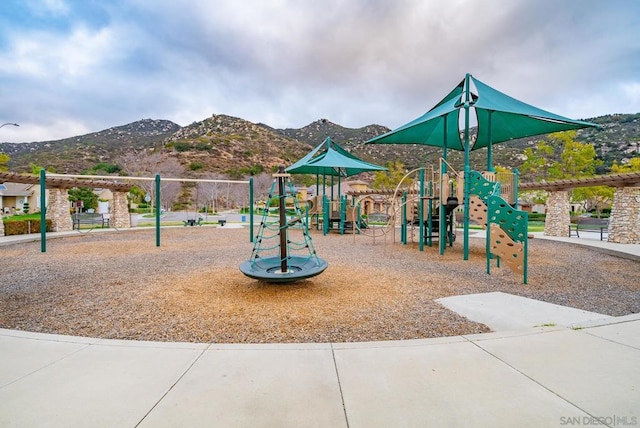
{"points": [[120, 285], [189, 289]]}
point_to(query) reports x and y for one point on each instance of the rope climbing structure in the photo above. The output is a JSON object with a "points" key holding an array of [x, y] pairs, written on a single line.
{"points": [[283, 250]]}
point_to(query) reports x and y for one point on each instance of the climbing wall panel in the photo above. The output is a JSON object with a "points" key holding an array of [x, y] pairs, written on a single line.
{"points": [[510, 252], [514, 222], [478, 211], [478, 185]]}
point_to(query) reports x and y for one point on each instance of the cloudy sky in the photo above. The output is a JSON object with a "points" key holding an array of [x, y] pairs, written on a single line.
{"points": [[69, 67]]}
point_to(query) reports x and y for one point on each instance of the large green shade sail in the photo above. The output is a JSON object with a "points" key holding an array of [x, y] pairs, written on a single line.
{"points": [[499, 118]]}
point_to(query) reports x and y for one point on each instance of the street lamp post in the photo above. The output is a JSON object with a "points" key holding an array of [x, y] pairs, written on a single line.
{"points": [[8, 123]]}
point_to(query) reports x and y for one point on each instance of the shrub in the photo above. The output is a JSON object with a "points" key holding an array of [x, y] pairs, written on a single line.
{"points": [[23, 227], [182, 147], [537, 216]]}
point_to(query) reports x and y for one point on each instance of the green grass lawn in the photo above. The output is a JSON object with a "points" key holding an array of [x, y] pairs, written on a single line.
{"points": [[34, 216]]}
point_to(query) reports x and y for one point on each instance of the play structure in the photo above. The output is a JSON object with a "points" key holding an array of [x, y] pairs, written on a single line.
{"points": [[331, 163], [283, 250], [498, 118]]}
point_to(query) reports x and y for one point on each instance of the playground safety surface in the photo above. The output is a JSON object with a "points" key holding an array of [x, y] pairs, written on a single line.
{"points": [[121, 286]]}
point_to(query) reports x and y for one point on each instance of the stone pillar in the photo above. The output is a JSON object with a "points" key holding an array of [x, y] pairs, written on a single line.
{"points": [[558, 214], [120, 218], [624, 223], [59, 210], [1, 226]]}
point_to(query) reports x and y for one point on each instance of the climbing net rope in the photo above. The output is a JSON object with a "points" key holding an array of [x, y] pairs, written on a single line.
{"points": [[267, 246]]}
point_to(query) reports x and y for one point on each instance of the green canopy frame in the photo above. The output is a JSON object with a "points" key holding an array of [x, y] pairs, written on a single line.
{"points": [[330, 159]]}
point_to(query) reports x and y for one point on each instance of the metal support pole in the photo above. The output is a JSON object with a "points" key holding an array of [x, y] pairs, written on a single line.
{"points": [[283, 221], [326, 214], [467, 169], [251, 202], [43, 211], [443, 170], [403, 225], [429, 223], [157, 210], [516, 183], [421, 211], [343, 211]]}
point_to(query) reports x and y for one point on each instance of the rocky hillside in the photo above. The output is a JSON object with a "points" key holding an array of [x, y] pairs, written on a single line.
{"points": [[232, 146], [235, 147], [76, 155]]}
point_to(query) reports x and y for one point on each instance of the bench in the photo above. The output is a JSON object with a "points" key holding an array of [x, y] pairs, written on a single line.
{"points": [[199, 222], [193, 222], [589, 224], [91, 219]]}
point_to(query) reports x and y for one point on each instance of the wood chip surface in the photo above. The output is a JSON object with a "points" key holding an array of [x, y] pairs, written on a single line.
{"points": [[121, 285]]}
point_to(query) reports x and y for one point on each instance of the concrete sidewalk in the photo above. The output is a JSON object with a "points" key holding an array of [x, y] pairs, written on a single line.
{"points": [[540, 377]]}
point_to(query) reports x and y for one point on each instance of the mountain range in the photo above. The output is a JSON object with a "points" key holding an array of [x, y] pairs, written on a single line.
{"points": [[235, 147]]}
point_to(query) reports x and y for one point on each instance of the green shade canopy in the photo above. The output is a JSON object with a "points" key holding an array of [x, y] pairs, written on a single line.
{"points": [[499, 118], [329, 158]]}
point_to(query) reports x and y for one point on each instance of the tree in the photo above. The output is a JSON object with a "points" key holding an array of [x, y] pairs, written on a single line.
{"points": [[35, 169], [85, 195], [389, 179], [138, 165], [577, 159], [4, 159], [632, 166], [537, 161], [209, 193], [593, 198]]}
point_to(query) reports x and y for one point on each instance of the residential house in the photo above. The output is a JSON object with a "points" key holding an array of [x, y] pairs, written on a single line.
{"points": [[14, 197]]}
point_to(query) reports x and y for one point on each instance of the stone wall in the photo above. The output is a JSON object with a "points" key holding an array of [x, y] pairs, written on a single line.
{"points": [[59, 209], [624, 223], [558, 214], [119, 211]]}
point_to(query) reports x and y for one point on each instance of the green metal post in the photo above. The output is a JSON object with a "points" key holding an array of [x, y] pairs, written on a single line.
{"points": [[421, 211], [157, 210], [430, 216], [487, 249], [526, 251], [251, 202], [403, 225], [516, 184], [326, 215], [343, 211], [467, 169], [43, 212], [443, 170]]}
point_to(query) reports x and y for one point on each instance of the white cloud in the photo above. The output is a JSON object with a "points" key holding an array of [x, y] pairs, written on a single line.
{"points": [[48, 7], [631, 94], [287, 63], [58, 58]]}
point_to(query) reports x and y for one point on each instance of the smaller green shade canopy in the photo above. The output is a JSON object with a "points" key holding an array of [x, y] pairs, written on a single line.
{"points": [[329, 158]]}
